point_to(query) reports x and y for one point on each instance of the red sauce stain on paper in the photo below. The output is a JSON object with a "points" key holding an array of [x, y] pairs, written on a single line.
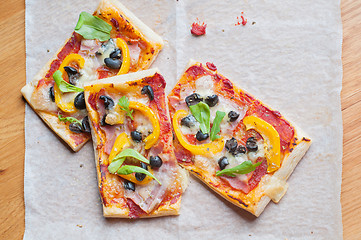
{"points": [[241, 20]]}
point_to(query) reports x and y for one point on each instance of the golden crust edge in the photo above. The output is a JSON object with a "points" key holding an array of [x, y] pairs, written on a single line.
{"points": [[112, 211], [52, 121]]}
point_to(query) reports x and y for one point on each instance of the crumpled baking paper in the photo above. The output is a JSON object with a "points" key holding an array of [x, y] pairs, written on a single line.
{"points": [[288, 55]]}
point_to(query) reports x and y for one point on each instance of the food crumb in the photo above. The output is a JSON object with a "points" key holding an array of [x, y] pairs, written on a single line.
{"points": [[47, 50], [198, 28], [211, 66], [81, 165], [79, 226], [253, 23]]}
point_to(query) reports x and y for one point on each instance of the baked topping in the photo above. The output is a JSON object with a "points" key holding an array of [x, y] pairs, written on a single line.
{"points": [[193, 99], [201, 136], [108, 102], [271, 140], [232, 115], [149, 91], [136, 136], [73, 74], [212, 100], [231, 145], [251, 144], [223, 162], [129, 185], [155, 161], [188, 121], [203, 149], [85, 124], [79, 101]]}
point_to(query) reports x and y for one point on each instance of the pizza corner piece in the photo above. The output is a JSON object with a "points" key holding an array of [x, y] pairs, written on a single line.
{"points": [[234, 143], [111, 41], [138, 174]]}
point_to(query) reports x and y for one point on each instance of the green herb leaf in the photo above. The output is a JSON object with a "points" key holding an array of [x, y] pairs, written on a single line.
{"points": [[92, 27], [124, 105], [69, 119], [115, 165], [202, 114], [216, 125], [64, 86], [131, 153], [243, 168], [128, 169]]}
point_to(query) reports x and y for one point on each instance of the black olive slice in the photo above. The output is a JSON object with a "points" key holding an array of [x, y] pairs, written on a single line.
{"points": [[149, 91], [231, 145], [140, 176], [188, 121], [79, 101], [129, 185], [116, 54], [201, 136], [223, 162], [75, 127], [155, 161], [51, 93], [212, 100], [108, 102], [193, 99], [136, 136], [240, 150], [73, 74], [103, 122], [113, 63], [233, 116], [85, 124], [251, 144]]}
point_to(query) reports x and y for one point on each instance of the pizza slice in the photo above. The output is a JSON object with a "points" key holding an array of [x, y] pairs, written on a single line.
{"points": [[138, 174], [235, 144], [110, 42]]}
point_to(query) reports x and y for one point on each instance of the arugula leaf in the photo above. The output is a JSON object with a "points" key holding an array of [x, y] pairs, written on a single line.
{"points": [[202, 114], [216, 122], [243, 168], [115, 165], [92, 27], [128, 169], [129, 152], [68, 119], [64, 86], [124, 105]]}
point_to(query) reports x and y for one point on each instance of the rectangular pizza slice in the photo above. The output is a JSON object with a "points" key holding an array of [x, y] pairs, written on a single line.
{"points": [[110, 42], [241, 148], [138, 174]]}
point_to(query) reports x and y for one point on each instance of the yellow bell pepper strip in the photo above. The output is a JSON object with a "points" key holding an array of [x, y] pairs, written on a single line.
{"points": [[271, 140], [67, 106], [120, 143], [121, 44], [148, 112], [203, 149]]}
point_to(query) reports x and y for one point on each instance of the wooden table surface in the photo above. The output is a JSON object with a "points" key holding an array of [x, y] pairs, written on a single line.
{"points": [[12, 144]]}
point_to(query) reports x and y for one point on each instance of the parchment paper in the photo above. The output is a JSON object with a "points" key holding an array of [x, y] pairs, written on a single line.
{"points": [[288, 55]]}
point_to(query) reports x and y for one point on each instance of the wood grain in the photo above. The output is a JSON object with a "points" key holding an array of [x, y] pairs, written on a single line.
{"points": [[12, 77], [12, 145]]}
